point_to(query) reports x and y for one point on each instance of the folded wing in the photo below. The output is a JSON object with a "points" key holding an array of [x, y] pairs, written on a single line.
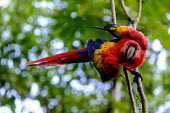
{"points": [[104, 57]]}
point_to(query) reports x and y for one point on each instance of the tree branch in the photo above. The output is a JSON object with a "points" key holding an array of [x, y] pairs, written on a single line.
{"points": [[130, 90], [136, 21], [139, 10], [134, 24], [142, 96], [132, 20], [113, 11], [126, 12]]}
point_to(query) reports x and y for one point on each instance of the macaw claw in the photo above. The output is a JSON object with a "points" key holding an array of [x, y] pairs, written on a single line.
{"points": [[137, 74]]}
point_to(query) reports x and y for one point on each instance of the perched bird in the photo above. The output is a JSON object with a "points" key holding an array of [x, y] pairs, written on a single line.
{"points": [[123, 32], [107, 56], [126, 49]]}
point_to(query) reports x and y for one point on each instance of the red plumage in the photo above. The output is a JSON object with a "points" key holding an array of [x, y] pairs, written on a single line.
{"points": [[138, 59], [115, 56], [126, 52], [63, 58], [137, 36], [110, 63]]}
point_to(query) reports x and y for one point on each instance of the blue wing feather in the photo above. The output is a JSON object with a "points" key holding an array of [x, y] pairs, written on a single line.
{"points": [[91, 48], [82, 51], [98, 42], [93, 45]]}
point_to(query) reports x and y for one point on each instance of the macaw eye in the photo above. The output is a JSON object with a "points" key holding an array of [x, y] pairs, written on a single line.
{"points": [[138, 48]]}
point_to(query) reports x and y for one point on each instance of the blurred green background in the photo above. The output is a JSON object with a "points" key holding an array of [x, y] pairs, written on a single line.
{"points": [[33, 29]]}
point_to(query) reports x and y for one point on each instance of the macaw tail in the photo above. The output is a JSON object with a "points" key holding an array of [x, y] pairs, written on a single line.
{"points": [[75, 56]]}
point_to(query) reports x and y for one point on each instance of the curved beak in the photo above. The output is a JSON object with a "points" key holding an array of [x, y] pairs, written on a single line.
{"points": [[102, 28], [130, 51], [111, 28]]}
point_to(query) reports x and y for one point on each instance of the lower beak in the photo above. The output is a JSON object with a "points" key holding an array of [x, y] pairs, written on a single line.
{"points": [[130, 51]]}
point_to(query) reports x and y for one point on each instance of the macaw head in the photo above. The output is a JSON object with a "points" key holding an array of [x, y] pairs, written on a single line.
{"points": [[115, 29], [131, 49]]}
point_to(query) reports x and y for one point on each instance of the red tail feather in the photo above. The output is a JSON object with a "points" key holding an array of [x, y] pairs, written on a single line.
{"points": [[74, 56]]}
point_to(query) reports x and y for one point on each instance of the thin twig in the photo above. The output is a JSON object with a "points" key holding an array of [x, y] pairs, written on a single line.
{"points": [[141, 93], [113, 11], [132, 20], [126, 12], [130, 90], [116, 88], [142, 96], [139, 14], [139, 10]]}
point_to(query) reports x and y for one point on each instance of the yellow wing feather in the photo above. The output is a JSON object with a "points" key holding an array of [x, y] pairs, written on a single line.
{"points": [[98, 53]]}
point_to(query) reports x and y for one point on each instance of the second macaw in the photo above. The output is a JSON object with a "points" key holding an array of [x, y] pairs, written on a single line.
{"points": [[122, 32], [105, 55]]}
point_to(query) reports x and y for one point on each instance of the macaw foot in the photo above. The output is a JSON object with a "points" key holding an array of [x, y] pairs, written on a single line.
{"points": [[137, 74]]}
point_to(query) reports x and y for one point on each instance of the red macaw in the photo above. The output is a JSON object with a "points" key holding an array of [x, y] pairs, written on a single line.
{"points": [[125, 32], [105, 55]]}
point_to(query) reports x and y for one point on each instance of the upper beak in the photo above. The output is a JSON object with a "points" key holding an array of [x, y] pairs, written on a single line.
{"points": [[130, 51], [103, 28], [111, 28]]}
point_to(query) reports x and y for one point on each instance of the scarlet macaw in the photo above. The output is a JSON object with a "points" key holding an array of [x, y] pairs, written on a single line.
{"points": [[105, 55]]}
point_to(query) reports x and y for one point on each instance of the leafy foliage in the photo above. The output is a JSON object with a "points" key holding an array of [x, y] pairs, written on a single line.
{"points": [[32, 29]]}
